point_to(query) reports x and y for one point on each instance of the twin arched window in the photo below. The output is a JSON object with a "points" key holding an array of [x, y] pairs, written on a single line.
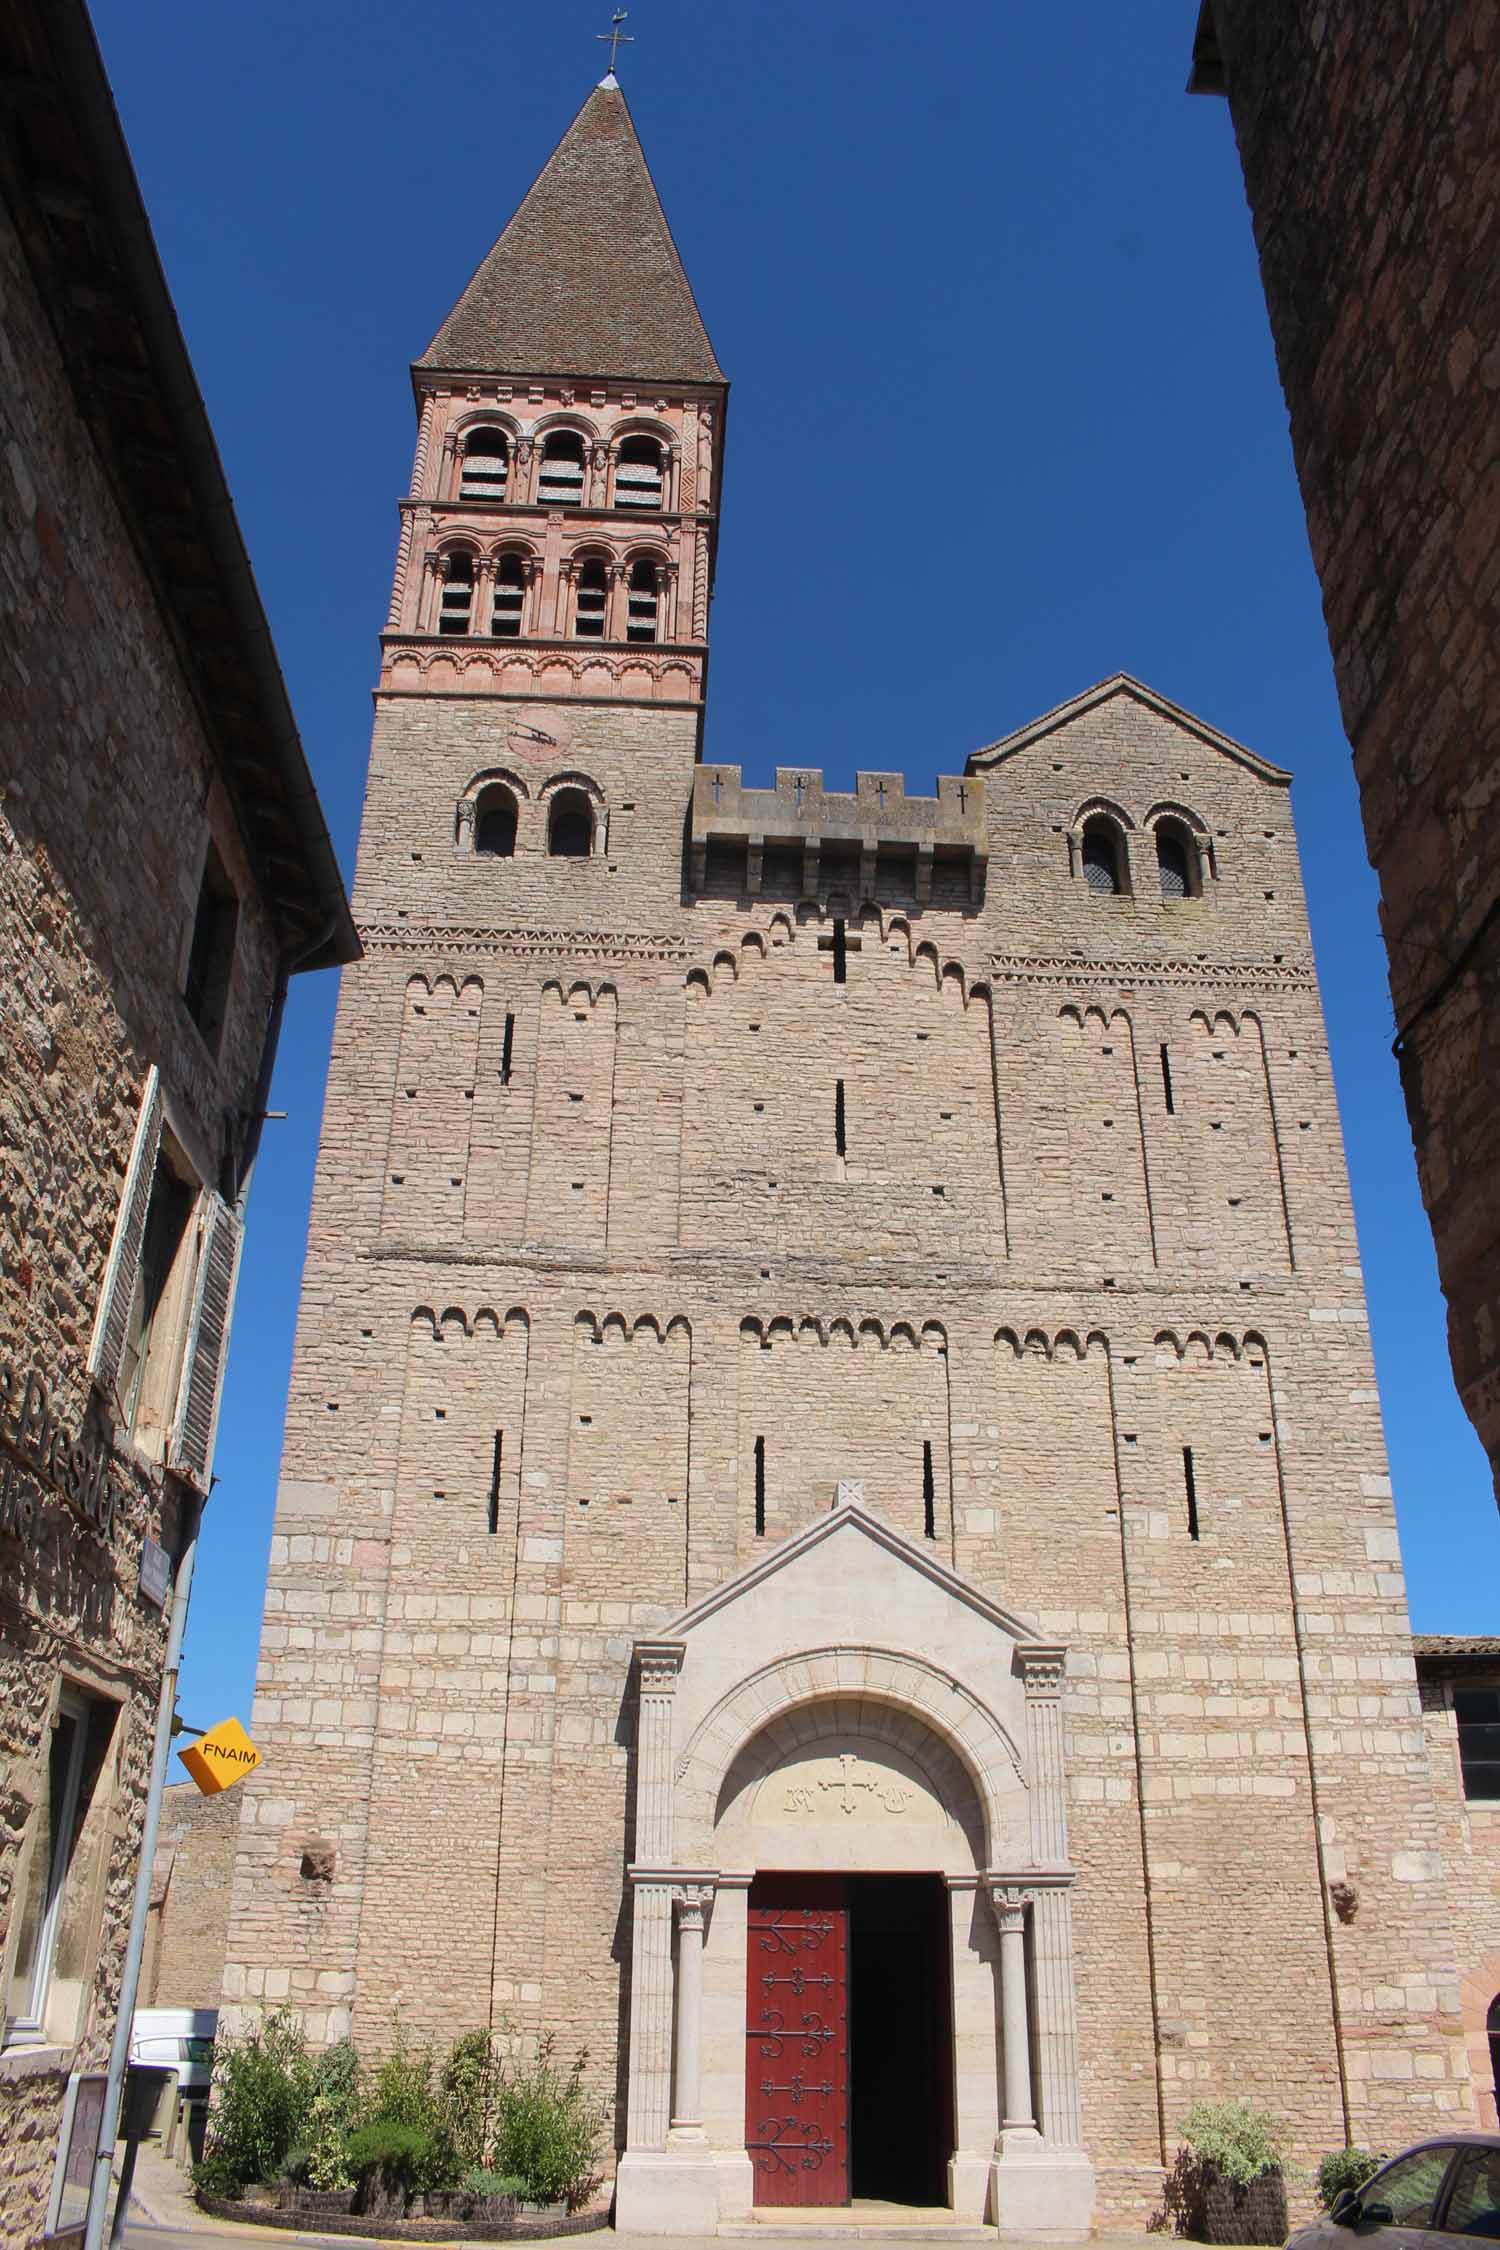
{"points": [[460, 586], [570, 822], [1105, 867]]}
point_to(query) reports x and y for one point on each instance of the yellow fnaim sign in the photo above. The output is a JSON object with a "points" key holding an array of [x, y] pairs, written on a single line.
{"points": [[221, 1757]]}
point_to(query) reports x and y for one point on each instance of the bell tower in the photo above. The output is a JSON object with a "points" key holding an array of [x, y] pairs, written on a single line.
{"points": [[548, 627]]}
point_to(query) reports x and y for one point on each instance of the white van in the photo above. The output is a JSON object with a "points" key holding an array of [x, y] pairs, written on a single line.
{"points": [[180, 2039]]}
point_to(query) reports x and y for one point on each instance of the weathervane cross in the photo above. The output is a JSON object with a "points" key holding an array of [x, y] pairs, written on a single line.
{"points": [[615, 36]]}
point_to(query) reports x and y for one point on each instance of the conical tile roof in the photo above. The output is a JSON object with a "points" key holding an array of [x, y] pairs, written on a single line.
{"points": [[586, 279]]}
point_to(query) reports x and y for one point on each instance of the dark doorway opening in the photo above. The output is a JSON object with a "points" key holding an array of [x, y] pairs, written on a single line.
{"points": [[886, 2119]]}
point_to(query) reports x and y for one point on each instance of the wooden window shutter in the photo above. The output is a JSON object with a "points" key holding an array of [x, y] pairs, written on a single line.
{"points": [[202, 1382], [112, 1319]]}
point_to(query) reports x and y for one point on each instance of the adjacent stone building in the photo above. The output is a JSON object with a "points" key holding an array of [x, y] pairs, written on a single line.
{"points": [[186, 1936], [1367, 130], [1460, 1683], [163, 867], [835, 1545]]}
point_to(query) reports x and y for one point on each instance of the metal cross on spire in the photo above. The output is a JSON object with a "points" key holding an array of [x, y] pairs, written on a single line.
{"points": [[616, 36]]}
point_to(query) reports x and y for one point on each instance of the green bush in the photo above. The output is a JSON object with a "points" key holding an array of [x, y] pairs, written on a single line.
{"points": [[466, 2094], [547, 2130], [262, 2093], [1344, 2168], [399, 2153], [479, 2180], [213, 2175], [404, 2091], [1238, 2140]]}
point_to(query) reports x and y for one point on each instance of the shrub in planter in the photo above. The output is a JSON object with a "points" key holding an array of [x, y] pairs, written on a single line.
{"points": [[1344, 2168], [488, 2194], [263, 2085], [547, 2129], [388, 2159], [1241, 2187]]}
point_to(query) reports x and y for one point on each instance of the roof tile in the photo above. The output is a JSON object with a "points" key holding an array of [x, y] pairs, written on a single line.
{"points": [[586, 279]]}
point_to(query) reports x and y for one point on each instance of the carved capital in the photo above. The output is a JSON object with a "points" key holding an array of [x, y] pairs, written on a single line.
{"points": [[660, 1662], [692, 1901], [1042, 1666], [1010, 1901], [465, 820]]}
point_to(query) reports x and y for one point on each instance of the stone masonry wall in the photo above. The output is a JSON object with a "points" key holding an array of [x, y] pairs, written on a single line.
{"points": [[1091, 1217], [1469, 1831], [1367, 133], [184, 1963], [107, 798]]}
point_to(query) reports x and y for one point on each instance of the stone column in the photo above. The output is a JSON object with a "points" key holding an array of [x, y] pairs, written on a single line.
{"points": [[560, 618], [659, 1663], [1010, 1904], [482, 615], [523, 472], [671, 498], [531, 619], [687, 2105], [615, 579]]}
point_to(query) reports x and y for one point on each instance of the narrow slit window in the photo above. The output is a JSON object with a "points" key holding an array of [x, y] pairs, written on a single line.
{"points": [[508, 606], [1166, 1082], [840, 952], [485, 463], [507, 1050], [839, 1143], [1190, 1487], [494, 1504], [458, 594], [929, 1493], [760, 1488]]}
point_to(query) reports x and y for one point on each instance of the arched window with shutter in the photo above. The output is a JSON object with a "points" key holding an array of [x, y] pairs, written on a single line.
{"points": [[560, 484], [495, 822], [570, 825], [1176, 860], [590, 600], [456, 607], [507, 610], [643, 602], [639, 482], [485, 465], [1103, 857]]}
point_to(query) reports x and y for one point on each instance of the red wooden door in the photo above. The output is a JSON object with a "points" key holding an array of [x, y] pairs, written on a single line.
{"points": [[797, 2054]]}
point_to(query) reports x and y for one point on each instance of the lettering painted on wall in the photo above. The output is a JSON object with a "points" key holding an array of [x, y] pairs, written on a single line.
{"points": [[38, 1454]]}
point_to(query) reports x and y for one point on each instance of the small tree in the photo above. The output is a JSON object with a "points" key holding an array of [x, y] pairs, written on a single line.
{"points": [[262, 2094], [547, 2129]]}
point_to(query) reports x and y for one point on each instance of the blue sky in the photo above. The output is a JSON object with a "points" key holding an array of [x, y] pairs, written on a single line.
{"points": [[1004, 419]]}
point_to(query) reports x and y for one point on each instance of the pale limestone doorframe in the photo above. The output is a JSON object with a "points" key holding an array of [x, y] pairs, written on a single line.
{"points": [[670, 2181]]}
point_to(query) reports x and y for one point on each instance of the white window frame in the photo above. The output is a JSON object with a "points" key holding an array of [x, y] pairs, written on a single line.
{"points": [[30, 2029], [192, 1383]]}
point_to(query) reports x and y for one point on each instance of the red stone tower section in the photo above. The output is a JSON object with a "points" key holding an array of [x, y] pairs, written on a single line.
{"points": [[693, 1146]]}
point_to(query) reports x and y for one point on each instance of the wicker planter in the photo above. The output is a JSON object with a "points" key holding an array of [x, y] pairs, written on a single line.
{"points": [[1236, 2212]]}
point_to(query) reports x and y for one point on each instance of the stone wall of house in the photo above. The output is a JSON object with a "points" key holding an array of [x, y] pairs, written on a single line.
{"points": [[107, 798], [1366, 134], [578, 1339], [1469, 1830], [188, 1930]]}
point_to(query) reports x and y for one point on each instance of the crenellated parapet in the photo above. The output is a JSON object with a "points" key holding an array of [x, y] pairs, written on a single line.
{"points": [[876, 825]]}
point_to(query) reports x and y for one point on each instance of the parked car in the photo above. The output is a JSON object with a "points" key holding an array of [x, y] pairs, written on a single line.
{"points": [[1437, 2192], [180, 2039]]}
